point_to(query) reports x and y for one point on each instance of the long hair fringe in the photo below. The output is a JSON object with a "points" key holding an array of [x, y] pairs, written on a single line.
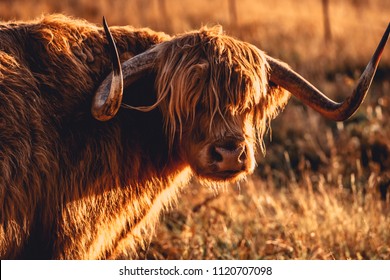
{"points": [[210, 71]]}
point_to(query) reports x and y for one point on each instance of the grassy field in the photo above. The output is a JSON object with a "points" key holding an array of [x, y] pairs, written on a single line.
{"points": [[320, 190]]}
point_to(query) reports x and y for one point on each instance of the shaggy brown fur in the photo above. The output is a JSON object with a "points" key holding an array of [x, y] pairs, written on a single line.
{"points": [[72, 187]]}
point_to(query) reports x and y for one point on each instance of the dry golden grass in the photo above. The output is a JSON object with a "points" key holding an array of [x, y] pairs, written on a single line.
{"points": [[257, 221], [315, 194]]}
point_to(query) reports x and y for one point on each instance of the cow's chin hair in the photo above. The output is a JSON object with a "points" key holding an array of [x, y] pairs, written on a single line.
{"points": [[217, 179], [218, 182], [223, 177]]}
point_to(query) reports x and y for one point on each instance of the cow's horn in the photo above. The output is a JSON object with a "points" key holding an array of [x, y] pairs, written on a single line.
{"points": [[283, 76], [108, 97]]}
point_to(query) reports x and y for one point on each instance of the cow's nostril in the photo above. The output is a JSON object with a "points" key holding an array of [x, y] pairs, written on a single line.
{"points": [[242, 156], [215, 155], [230, 157]]}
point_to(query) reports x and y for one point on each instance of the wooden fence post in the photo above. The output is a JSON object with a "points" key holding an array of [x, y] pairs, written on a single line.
{"points": [[233, 12], [327, 28]]}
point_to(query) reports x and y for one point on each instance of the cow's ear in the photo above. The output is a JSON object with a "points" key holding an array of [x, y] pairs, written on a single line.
{"points": [[108, 97]]}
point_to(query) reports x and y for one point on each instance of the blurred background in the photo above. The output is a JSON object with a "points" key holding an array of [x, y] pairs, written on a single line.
{"points": [[290, 29], [320, 191]]}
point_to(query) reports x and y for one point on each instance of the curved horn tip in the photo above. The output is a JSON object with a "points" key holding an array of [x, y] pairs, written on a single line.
{"points": [[113, 51], [108, 97], [378, 52], [311, 96]]}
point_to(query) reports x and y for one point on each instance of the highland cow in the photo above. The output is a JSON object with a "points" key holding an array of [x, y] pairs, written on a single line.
{"points": [[89, 158]]}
